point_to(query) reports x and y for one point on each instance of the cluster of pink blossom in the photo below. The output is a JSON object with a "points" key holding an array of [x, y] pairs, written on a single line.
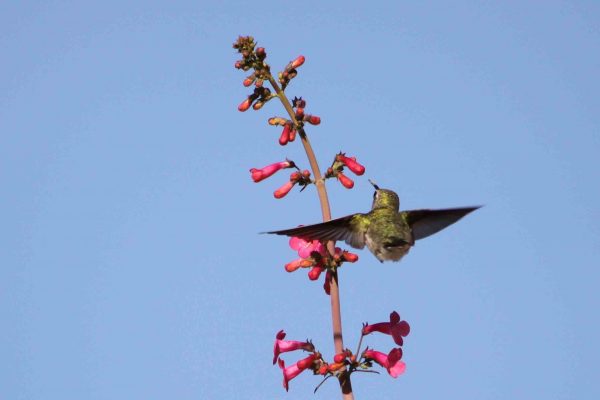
{"points": [[345, 361]]}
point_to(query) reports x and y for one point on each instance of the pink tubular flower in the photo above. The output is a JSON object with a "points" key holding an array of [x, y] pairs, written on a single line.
{"points": [[306, 248], [296, 369], [283, 190], [392, 361], [283, 346], [351, 163], [345, 181], [396, 327], [265, 172]]}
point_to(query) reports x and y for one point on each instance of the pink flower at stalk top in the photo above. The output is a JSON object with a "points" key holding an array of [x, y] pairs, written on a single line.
{"points": [[283, 346], [265, 172], [392, 361], [396, 327]]}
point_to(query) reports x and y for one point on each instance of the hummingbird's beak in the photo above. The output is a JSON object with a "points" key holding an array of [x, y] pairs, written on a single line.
{"points": [[374, 184]]}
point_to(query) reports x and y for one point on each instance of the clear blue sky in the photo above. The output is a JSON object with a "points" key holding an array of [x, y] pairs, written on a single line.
{"points": [[130, 264]]}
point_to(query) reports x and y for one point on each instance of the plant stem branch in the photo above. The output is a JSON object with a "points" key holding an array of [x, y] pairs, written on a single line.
{"points": [[334, 291]]}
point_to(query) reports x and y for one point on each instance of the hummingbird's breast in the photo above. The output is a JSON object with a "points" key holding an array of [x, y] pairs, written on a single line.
{"points": [[388, 253], [389, 237]]}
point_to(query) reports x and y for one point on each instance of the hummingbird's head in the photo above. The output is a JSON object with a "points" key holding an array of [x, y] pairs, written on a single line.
{"points": [[384, 198]]}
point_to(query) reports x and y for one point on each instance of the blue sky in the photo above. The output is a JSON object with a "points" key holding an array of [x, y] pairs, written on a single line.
{"points": [[130, 264]]}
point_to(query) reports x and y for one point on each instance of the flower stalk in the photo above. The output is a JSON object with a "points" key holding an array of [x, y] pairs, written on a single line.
{"points": [[334, 290]]}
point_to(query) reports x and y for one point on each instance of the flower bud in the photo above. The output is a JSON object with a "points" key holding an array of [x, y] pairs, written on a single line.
{"points": [[285, 134], [245, 105], [277, 121], [297, 62], [284, 190], [292, 135], [339, 357], [351, 163], [298, 263], [344, 180], [312, 119], [261, 53], [314, 273], [349, 257], [327, 283]]}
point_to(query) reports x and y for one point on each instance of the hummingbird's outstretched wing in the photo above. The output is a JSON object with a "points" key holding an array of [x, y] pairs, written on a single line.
{"points": [[350, 229], [427, 222]]}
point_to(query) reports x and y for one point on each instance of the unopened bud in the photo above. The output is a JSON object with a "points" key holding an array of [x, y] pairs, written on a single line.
{"points": [[344, 180], [245, 105], [312, 119], [297, 62], [277, 121], [283, 190]]}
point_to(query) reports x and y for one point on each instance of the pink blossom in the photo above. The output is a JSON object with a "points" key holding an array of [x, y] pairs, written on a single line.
{"points": [[392, 361], [395, 327], [305, 247], [283, 190], [351, 163], [283, 346], [265, 172], [296, 369], [345, 181]]}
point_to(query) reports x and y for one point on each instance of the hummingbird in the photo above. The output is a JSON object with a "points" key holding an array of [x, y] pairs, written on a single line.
{"points": [[388, 232]]}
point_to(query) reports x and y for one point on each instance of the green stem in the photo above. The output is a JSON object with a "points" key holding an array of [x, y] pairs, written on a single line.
{"points": [[334, 291]]}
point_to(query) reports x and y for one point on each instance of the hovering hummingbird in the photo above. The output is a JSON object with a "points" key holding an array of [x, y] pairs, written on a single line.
{"points": [[388, 232]]}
